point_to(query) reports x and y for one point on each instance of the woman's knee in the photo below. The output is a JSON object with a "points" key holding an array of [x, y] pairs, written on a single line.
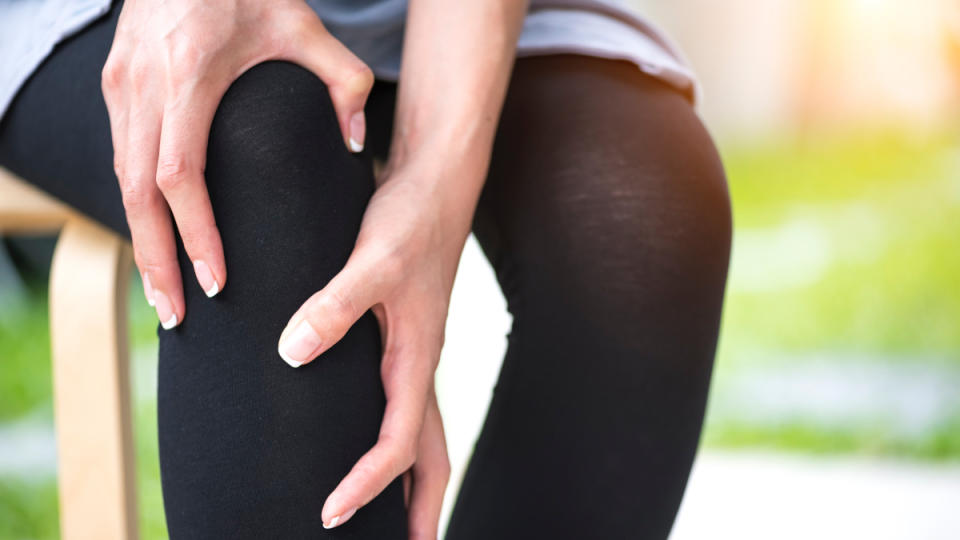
{"points": [[287, 195], [275, 149], [288, 198]]}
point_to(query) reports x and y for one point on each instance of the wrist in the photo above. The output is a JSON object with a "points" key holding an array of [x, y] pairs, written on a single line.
{"points": [[447, 184], [449, 167], [453, 151]]}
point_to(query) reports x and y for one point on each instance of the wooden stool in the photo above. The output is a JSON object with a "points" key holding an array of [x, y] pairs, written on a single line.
{"points": [[91, 383]]}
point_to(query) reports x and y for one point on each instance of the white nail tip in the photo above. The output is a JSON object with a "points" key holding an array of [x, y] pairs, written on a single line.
{"points": [[151, 302], [340, 519], [169, 323], [355, 146], [213, 290], [290, 361]]}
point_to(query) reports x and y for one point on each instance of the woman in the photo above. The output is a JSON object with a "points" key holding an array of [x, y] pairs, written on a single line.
{"points": [[242, 136]]}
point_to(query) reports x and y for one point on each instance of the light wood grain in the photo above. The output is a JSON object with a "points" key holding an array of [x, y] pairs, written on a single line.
{"points": [[26, 209], [88, 294]]}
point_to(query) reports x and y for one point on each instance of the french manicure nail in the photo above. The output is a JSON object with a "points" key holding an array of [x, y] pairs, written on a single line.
{"points": [[358, 131], [298, 347], [168, 319], [341, 519], [206, 279], [148, 289]]}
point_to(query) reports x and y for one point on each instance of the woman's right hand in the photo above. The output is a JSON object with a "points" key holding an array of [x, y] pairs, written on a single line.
{"points": [[169, 66]]}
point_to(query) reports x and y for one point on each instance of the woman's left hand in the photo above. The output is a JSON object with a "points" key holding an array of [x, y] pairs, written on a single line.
{"points": [[402, 267]]}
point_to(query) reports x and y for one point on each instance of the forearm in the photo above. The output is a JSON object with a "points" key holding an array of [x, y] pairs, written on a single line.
{"points": [[456, 64]]}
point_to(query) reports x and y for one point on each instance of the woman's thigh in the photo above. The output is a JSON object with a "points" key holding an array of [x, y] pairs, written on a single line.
{"points": [[607, 220], [249, 447], [56, 133]]}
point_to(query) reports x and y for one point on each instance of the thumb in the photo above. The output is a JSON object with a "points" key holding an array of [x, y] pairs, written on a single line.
{"points": [[327, 315], [348, 78]]}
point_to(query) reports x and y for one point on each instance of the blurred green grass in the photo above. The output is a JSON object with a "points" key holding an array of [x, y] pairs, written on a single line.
{"points": [[25, 383], [844, 243], [883, 211], [935, 445], [28, 509]]}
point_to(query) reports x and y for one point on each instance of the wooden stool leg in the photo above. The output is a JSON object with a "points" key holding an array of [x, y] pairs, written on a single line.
{"points": [[88, 323]]}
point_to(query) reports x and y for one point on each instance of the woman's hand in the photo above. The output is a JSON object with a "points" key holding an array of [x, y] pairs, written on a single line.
{"points": [[170, 64], [402, 267], [456, 64]]}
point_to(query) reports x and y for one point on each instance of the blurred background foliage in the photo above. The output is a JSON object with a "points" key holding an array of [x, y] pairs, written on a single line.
{"points": [[837, 122]]}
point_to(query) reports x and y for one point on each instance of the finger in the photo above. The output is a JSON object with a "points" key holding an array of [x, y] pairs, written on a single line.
{"points": [[431, 472], [327, 315], [348, 78], [151, 229], [373, 472], [111, 80], [180, 165], [394, 452]]}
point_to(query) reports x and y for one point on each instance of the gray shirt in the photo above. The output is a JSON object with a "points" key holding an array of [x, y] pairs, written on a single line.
{"points": [[373, 30]]}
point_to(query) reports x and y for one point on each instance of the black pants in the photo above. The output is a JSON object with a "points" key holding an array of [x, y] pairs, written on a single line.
{"points": [[605, 216]]}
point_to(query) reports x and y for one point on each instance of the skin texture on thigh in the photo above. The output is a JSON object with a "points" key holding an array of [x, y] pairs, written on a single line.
{"points": [[606, 217]]}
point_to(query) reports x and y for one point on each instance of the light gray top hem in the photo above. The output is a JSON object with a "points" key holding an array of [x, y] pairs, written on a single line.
{"points": [[373, 29]]}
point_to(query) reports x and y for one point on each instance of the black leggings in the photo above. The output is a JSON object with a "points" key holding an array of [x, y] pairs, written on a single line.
{"points": [[605, 215]]}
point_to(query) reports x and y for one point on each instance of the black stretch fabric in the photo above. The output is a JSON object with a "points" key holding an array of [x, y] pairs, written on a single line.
{"points": [[605, 215]]}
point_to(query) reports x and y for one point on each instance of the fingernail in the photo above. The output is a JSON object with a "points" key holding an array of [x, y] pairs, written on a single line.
{"points": [[341, 519], [206, 279], [148, 289], [298, 347], [168, 319], [358, 131]]}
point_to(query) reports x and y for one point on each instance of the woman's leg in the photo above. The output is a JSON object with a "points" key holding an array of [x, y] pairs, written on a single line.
{"points": [[249, 447], [607, 220]]}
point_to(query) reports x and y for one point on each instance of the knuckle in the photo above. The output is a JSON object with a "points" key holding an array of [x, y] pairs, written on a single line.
{"points": [[135, 194], [299, 24], [366, 470], [111, 75], [340, 304], [184, 61], [357, 78], [381, 261], [139, 73], [402, 451], [304, 22], [118, 166], [172, 172], [149, 262]]}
